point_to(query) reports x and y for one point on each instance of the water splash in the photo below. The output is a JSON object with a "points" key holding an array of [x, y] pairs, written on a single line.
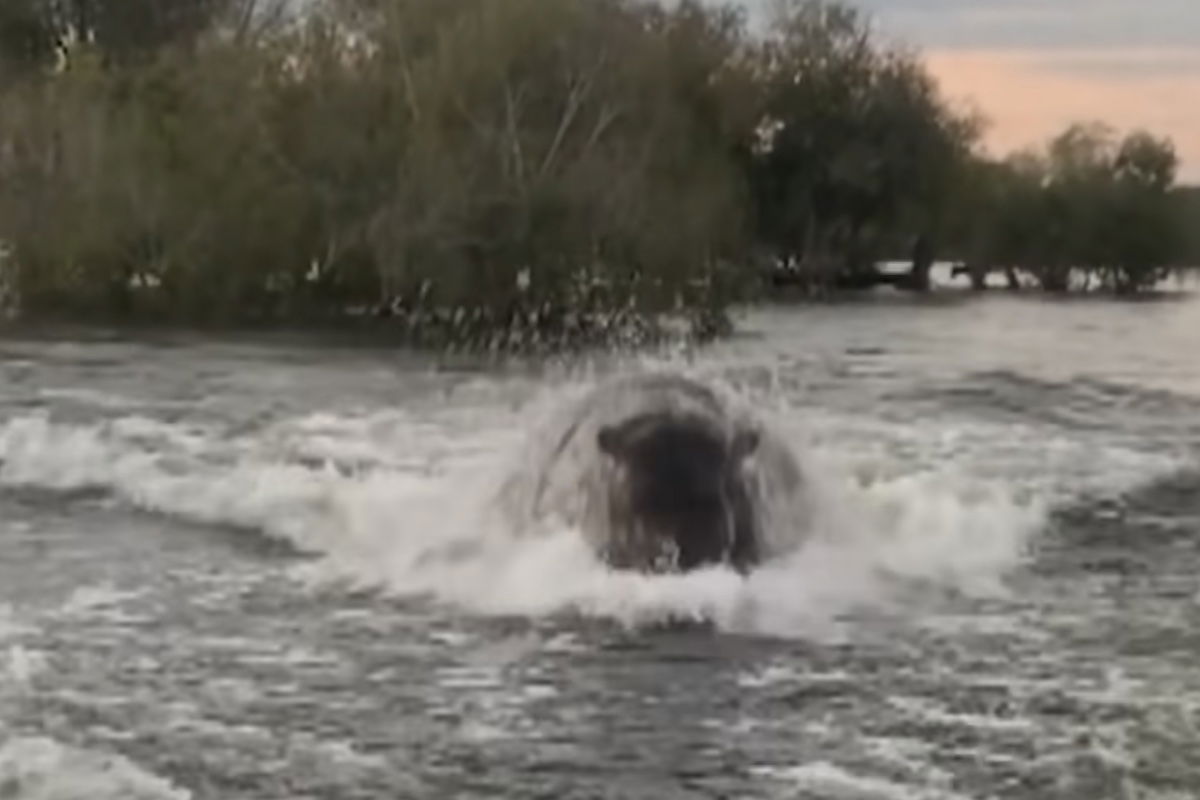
{"points": [[43, 769], [405, 504]]}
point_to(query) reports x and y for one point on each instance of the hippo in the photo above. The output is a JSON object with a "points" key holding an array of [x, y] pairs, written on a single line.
{"points": [[660, 475], [680, 500]]}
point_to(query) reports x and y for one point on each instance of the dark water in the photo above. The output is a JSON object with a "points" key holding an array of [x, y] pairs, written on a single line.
{"points": [[225, 573]]}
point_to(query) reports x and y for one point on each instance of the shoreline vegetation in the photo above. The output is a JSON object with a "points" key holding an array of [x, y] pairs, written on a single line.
{"points": [[524, 174]]}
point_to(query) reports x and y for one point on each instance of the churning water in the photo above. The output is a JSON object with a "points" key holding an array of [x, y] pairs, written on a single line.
{"points": [[275, 570]]}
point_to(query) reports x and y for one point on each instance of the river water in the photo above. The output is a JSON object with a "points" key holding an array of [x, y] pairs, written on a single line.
{"points": [[266, 569]]}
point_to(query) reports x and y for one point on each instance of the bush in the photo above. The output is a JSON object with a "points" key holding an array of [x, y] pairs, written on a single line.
{"points": [[485, 157]]}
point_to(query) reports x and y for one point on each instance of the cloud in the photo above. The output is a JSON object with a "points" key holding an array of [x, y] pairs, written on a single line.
{"points": [[1122, 65], [1039, 24], [1031, 95]]}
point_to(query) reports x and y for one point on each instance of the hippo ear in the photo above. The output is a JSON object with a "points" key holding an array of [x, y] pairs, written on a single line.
{"points": [[610, 441], [619, 438], [745, 442]]}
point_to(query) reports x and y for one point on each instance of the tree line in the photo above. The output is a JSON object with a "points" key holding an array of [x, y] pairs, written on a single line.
{"points": [[1091, 208], [496, 171]]}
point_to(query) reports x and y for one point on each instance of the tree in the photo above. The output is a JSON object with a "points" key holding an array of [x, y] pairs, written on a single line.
{"points": [[1186, 200], [510, 163], [1145, 234], [858, 150], [1088, 205], [1146, 160], [546, 141], [28, 36]]}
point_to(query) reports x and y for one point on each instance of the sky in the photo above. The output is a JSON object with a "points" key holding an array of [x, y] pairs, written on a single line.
{"points": [[1034, 66]]}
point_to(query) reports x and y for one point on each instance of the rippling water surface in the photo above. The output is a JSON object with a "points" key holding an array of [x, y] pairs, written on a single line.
{"points": [[270, 570]]}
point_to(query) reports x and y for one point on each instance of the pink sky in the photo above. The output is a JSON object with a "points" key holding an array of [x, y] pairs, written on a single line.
{"points": [[1029, 95]]}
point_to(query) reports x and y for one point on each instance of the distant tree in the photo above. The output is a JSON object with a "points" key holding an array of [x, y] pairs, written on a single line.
{"points": [[1088, 206], [1146, 160], [1145, 234], [857, 148], [1186, 200]]}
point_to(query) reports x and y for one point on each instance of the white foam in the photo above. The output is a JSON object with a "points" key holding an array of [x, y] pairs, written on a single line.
{"points": [[911, 756], [930, 712], [332, 756], [775, 674], [11, 626], [402, 503], [43, 769], [21, 666], [97, 598], [92, 397], [830, 780]]}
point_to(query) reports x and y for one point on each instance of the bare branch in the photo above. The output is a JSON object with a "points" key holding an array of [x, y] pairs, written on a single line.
{"points": [[512, 110], [579, 93]]}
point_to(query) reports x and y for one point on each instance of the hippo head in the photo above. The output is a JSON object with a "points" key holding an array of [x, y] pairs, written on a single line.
{"points": [[685, 498]]}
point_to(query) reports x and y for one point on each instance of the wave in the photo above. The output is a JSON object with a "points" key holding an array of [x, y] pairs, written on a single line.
{"points": [[404, 504], [43, 769]]}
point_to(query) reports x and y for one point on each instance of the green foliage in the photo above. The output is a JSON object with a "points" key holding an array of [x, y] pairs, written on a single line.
{"points": [[146, 179], [121, 31], [1088, 206], [534, 149], [495, 170], [859, 153], [1186, 200], [27, 37], [513, 162]]}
